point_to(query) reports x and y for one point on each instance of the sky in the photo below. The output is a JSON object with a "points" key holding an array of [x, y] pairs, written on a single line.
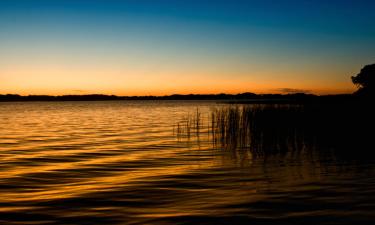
{"points": [[161, 47]]}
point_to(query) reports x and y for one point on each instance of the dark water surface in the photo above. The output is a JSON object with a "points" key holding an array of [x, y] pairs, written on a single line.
{"points": [[121, 163]]}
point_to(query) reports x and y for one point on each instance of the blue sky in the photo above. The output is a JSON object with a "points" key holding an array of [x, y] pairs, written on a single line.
{"points": [[161, 46]]}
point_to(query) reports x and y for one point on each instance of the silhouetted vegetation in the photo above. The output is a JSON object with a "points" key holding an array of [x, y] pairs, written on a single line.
{"points": [[283, 128], [365, 81], [191, 124]]}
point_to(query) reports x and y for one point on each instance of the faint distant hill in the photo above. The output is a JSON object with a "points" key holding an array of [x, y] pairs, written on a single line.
{"points": [[243, 97]]}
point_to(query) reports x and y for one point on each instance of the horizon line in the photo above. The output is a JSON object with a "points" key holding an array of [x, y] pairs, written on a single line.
{"points": [[177, 94]]}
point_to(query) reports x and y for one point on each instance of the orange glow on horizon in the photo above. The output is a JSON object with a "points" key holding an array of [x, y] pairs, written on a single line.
{"points": [[55, 79]]}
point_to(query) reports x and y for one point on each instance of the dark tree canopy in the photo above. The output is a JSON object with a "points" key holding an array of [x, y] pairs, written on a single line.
{"points": [[365, 80]]}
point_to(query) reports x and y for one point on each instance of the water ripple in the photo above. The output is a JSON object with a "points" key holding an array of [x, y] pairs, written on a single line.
{"points": [[120, 163]]}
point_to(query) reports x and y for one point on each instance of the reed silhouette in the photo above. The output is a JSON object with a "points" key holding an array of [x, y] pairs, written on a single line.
{"points": [[282, 128]]}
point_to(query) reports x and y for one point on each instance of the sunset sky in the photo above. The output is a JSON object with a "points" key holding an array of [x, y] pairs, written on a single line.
{"points": [[158, 47]]}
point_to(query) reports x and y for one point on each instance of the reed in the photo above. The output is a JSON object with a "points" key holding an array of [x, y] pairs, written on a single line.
{"points": [[282, 128], [189, 125]]}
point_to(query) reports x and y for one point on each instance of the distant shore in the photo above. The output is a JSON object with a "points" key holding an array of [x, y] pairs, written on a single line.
{"points": [[233, 98]]}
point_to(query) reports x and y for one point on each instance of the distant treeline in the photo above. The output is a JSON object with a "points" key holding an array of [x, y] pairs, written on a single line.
{"points": [[230, 97]]}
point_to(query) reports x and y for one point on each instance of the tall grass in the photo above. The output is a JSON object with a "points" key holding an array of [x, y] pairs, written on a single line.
{"points": [[189, 125], [282, 128], [260, 128]]}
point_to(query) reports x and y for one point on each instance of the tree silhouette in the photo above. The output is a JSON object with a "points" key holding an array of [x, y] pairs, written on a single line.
{"points": [[365, 80]]}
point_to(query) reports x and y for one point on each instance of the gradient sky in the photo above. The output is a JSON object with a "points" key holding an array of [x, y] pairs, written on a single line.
{"points": [[142, 47]]}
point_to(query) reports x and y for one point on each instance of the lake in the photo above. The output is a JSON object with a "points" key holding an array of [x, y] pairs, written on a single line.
{"points": [[121, 162]]}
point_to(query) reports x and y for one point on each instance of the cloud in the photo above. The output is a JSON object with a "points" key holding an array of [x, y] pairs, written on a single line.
{"points": [[293, 90]]}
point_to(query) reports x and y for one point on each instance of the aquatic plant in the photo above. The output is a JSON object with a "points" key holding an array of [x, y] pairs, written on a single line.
{"points": [[283, 128]]}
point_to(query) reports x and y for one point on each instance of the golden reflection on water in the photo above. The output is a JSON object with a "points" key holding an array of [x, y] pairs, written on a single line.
{"points": [[121, 161]]}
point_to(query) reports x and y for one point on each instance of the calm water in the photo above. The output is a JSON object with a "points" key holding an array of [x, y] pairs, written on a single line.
{"points": [[121, 163]]}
